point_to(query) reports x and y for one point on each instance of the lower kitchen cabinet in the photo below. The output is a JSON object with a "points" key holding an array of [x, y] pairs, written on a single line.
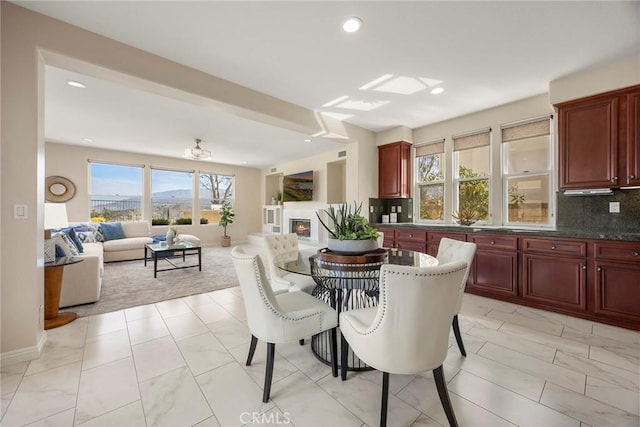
{"points": [[554, 272], [412, 239], [495, 269], [592, 279], [617, 280], [434, 237]]}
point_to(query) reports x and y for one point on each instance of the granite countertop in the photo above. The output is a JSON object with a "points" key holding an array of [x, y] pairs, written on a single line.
{"points": [[578, 234]]}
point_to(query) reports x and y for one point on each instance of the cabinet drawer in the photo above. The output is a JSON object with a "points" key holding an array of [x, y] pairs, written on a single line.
{"points": [[434, 237], [389, 233], [411, 234], [555, 246], [495, 241], [621, 251]]}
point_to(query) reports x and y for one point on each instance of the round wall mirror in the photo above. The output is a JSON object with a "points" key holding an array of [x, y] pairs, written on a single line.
{"points": [[59, 189]]}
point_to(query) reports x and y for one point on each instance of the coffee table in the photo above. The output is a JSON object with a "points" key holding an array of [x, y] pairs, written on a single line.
{"points": [[163, 251]]}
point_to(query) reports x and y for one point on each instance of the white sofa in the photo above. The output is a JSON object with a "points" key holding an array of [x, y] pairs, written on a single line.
{"points": [[82, 282], [137, 234]]}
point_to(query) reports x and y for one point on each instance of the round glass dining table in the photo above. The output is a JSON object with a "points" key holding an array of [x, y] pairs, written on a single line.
{"points": [[348, 282]]}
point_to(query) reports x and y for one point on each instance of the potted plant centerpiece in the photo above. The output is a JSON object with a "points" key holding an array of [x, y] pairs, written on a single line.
{"points": [[226, 218], [351, 233]]}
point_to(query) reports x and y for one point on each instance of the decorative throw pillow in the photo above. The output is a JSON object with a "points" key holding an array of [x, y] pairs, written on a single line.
{"points": [[59, 252], [71, 232], [86, 236], [97, 233], [111, 231], [68, 247]]}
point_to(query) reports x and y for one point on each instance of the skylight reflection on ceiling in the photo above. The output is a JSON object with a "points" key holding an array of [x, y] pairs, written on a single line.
{"points": [[362, 105]]}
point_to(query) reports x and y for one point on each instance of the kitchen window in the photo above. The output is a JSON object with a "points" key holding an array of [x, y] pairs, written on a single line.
{"points": [[471, 181], [430, 180], [527, 164]]}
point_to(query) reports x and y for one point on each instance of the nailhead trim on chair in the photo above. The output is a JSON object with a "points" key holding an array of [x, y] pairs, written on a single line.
{"points": [[256, 268], [383, 292]]}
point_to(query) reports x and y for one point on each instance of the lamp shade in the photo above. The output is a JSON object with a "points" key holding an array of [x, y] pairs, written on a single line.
{"points": [[55, 216]]}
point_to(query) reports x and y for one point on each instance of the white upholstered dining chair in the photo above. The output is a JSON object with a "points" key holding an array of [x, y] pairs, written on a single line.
{"points": [[281, 318], [408, 332], [283, 248], [454, 250]]}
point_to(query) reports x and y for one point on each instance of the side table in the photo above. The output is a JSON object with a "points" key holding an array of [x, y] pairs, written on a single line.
{"points": [[52, 287]]}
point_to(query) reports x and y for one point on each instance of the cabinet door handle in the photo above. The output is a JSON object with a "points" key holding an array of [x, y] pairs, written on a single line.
{"points": [[614, 179], [493, 242], [553, 247], [599, 268], [410, 235], [635, 253], [584, 267], [632, 177]]}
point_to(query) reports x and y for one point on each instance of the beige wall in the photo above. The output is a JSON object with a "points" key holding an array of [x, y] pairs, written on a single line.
{"points": [[493, 118], [613, 76], [72, 162]]}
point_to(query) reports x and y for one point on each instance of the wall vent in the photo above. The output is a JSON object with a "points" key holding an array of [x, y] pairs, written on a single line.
{"points": [[273, 170], [342, 153]]}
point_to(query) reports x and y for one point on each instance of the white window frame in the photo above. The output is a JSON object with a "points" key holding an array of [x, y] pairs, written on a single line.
{"points": [[549, 173]]}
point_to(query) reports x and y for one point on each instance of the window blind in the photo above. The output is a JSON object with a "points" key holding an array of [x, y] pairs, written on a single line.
{"points": [[430, 148], [475, 139], [526, 129]]}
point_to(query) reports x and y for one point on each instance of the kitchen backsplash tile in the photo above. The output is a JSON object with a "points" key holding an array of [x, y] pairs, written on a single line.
{"points": [[592, 212]]}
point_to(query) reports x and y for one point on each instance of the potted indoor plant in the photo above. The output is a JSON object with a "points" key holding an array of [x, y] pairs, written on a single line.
{"points": [[351, 233], [226, 218]]}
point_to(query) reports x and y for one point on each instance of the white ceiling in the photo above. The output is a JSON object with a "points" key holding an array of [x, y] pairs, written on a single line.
{"points": [[484, 53]]}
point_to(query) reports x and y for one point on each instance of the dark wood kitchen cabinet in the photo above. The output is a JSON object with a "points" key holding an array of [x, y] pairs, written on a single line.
{"points": [[394, 170], [494, 271], [598, 140], [617, 280], [554, 272], [434, 237], [388, 235], [632, 154], [412, 239]]}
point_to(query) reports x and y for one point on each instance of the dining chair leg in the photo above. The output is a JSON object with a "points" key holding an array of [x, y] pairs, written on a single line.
{"points": [[252, 349], [344, 355], [456, 332], [333, 347], [268, 375], [441, 385], [385, 399]]}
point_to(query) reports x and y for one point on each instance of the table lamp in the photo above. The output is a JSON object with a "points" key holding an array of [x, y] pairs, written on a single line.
{"points": [[55, 216]]}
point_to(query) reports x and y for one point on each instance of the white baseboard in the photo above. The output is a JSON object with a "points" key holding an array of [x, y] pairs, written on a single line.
{"points": [[24, 354]]}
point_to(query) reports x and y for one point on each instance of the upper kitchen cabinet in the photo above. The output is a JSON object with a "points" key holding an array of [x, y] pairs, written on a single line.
{"points": [[599, 140], [394, 170], [633, 137]]}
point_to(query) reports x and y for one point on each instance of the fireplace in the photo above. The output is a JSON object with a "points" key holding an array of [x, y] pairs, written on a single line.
{"points": [[300, 226]]}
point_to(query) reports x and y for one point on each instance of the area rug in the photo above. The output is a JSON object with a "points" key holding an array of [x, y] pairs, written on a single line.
{"points": [[130, 284]]}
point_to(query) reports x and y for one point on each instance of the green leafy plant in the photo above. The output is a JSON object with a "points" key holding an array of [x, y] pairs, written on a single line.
{"points": [[204, 221], [160, 221], [473, 198], [182, 221], [348, 224], [226, 216]]}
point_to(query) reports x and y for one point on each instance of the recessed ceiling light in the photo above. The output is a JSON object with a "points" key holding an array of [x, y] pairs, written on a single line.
{"points": [[351, 25], [76, 84], [88, 140], [437, 90], [307, 140]]}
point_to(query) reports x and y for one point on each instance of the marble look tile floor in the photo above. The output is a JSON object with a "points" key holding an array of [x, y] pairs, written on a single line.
{"points": [[181, 363]]}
